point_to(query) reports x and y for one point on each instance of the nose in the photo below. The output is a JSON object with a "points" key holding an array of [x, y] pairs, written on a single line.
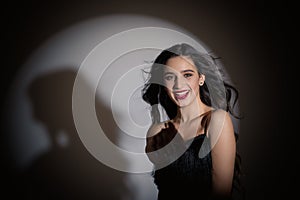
{"points": [[179, 82]]}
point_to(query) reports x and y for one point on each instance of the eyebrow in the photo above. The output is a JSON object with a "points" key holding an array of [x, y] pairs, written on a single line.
{"points": [[183, 71], [166, 73], [188, 70]]}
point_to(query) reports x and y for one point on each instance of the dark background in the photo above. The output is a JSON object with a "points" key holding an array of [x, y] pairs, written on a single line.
{"points": [[255, 39]]}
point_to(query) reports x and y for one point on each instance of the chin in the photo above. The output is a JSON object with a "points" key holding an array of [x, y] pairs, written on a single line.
{"points": [[182, 103]]}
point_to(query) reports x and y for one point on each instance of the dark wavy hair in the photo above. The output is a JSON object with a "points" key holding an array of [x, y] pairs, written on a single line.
{"points": [[215, 92]]}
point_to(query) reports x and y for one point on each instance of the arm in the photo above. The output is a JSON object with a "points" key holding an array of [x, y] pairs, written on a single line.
{"points": [[152, 132], [223, 152]]}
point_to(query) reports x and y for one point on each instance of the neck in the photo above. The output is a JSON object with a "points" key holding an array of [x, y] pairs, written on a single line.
{"points": [[192, 111]]}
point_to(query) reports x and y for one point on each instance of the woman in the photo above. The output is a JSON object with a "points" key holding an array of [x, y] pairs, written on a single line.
{"points": [[194, 152]]}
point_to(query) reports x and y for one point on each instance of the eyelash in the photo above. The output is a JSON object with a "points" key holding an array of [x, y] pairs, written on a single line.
{"points": [[187, 75], [171, 77]]}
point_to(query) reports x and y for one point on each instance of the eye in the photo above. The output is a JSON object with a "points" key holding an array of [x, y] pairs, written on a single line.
{"points": [[169, 77], [187, 75]]}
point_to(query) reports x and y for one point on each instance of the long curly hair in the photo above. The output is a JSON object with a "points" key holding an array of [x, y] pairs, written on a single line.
{"points": [[216, 92]]}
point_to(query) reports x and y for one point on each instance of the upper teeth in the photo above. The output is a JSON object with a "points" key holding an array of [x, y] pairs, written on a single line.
{"points": [[181, 93]]}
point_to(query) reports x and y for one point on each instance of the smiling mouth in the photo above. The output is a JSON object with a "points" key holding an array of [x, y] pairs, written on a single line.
{"points": [[180, 95]]}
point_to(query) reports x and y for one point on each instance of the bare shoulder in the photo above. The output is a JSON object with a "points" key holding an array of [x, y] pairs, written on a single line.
{"points": [[220, 115], [220, 121], [156, 128]]}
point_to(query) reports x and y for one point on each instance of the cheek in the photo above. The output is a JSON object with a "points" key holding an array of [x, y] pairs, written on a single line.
{"points": [[167, 85], [194, 85]]}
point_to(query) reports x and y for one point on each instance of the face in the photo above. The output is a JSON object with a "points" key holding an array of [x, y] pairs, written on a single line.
{"points": [[182, 80]]}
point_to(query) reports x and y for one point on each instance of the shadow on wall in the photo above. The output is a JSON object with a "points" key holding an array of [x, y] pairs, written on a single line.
{"points": [[68, 170]]}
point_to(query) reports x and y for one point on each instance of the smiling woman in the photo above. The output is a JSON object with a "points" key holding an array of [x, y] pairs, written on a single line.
{"points": [[199, 104], [182, 80]]}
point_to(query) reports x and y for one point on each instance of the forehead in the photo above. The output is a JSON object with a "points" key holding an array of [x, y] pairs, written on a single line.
{"points": [[180, 63]]}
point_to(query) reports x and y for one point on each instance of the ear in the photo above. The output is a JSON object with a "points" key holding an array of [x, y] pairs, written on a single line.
{"points": [[201, 79]]}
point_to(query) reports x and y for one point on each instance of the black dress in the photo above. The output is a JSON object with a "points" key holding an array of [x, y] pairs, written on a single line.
{"points": [[179, 172]]}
